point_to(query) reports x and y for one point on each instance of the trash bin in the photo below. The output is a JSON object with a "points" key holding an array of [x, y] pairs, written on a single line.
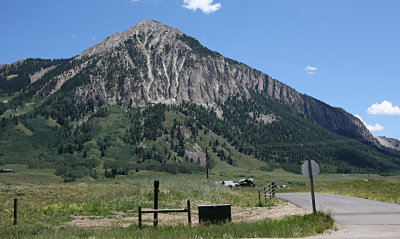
{"points": [[214, 213]]}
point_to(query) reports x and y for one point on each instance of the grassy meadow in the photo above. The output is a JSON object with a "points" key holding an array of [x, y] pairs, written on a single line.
{"points": [[47, 205]]}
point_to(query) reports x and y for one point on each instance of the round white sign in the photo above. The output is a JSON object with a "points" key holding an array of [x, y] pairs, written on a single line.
{"points": [[314, 169]]}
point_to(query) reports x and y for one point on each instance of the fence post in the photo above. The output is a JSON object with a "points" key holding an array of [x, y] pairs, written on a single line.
{"points": [[189, 213], [269, 190], [140, 217], [156, 185], [259, 197], [15, 210], [273, 189], [265, 195]]}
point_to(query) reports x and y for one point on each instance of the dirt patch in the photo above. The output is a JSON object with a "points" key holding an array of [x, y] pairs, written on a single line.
{"points": [[90, 221], [248, 214], [198, 154], [239, 214], [219, 113], [266, 119]]}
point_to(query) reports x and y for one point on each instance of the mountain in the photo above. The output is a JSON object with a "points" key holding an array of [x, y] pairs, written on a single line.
{"points": [[154, 68], [154, 62]]}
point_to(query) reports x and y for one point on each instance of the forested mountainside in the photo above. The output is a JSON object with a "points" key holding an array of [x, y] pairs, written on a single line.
{"points": [[154, 98]]}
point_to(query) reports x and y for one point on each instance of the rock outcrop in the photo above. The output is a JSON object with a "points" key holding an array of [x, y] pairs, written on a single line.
{"points": [[389, 142]]}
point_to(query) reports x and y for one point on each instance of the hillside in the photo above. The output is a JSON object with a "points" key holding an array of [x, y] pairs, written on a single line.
{"points": [[154, 98]]}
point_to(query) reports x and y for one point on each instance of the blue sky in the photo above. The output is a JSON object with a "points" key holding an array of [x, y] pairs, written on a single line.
{"points": [[343, 52]]}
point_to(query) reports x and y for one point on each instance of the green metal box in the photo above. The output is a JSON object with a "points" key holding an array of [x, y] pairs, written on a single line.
{"points": [[214, 213]]}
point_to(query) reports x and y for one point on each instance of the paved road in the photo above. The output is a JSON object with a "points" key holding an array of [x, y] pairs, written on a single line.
{"points": [[357, 217]]}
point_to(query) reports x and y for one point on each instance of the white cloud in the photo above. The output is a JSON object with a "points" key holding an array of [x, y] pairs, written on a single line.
{"points": [[376, 127], [206, 6], [384, 108], [311, 69]]}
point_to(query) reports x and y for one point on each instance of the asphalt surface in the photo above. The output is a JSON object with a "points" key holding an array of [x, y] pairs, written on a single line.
{"points": [[357, 217]]}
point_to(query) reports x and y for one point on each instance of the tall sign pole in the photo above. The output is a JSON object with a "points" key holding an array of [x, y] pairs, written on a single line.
{"points": [[310, 169], [312, 187]]}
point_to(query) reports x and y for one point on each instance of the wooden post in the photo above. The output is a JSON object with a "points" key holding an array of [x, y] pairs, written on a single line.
{"points": [[140, 217], [259, 197], [207, 162], [265, 195], [273, 189], [270, 190], [312, 187], [189, 213], [156, 185], [15, 210]]}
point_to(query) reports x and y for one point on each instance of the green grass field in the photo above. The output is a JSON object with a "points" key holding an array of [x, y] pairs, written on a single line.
{"points": [[296, 226], [46, 205], [380, 190]]}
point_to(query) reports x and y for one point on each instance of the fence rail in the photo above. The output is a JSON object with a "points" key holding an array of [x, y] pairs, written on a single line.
{"points": [[165, 211], [267, 192]]}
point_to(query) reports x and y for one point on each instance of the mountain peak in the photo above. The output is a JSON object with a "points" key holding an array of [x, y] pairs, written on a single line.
{"points": [[150, 23], [143, 27]]}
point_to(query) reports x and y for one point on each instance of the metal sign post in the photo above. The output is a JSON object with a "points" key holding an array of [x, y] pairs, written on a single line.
{"points": [[312, 187], [310, 169]]}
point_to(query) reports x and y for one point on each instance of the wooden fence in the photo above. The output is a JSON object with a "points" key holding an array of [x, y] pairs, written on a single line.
{"points": [[156, 211], [267, 192]]}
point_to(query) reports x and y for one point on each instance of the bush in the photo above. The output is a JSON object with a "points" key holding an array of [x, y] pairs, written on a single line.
{"points": [[90, 162], [72, 172], [170, 167], [267, 168]]}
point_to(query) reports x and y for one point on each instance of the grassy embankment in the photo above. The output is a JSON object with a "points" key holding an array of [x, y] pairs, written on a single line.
{"points": [[385, 189], [380, 190]]}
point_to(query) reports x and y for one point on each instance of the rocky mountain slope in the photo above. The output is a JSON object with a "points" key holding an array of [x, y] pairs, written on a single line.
{"points": [[156, 63], [389, 142], [169, 93]]}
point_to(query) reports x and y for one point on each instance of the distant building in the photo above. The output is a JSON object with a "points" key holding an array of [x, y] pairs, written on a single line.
{"points": [[230, 184], [4, 170], [248, 182]]}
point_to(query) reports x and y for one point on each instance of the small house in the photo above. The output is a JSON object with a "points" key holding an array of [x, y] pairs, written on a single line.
{"points": [[248, 182]]}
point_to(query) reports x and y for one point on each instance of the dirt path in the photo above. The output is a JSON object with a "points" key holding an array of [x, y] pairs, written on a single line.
{"points": [[239, 214]]}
